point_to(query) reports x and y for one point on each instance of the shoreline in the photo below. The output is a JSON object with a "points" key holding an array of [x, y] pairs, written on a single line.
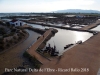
{"points": [[14, 57], [35, 46], [82, 51], [83, 55], [26, 36], [73, 29]]}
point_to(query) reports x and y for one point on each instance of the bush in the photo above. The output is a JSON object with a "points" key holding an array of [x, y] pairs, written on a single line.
{"points": [[11, 41], [11, 34], [7, 40], [1, 41], [2, 23], [20, 37], [8, 45], [25, 54], [8, 24], [13, 30], [2, 31], [5, 35], [22, 34], [15, 41], [14, 37], [18, 34], [24, 31], [34, 61]]}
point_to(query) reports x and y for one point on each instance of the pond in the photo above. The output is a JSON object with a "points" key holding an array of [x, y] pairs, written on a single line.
{"points": [[65, 37], [38, 26], [6, 20], [96, 28], [77, 27]]}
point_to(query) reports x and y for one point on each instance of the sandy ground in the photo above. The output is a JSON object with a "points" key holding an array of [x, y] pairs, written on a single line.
{"points": [[83, 59], [81, 56], [13, 58]]}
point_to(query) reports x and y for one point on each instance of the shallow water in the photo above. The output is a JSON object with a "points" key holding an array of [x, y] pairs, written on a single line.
{"points": [[65, 37], [38, 26], [14, 57], [96, 28]]}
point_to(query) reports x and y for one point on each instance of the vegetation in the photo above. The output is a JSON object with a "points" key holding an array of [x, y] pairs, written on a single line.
{"points": [[2, 31], [34, 61], [1, 44], [2, 23], [8, 45], [8, 24], [8, 36]]}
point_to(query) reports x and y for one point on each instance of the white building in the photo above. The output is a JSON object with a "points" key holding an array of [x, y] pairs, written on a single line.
{"points": [[16, 23]]}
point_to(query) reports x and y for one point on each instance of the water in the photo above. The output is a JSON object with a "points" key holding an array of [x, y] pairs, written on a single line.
{"points": [[23, 19], [7, 20], [18, 14], [96, 28], [66, 26], [49, 17], [38, 26], [65, 37], [77, 27]]}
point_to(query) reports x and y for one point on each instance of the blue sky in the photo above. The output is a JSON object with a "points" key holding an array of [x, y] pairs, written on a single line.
{"points": [[46, 5]]}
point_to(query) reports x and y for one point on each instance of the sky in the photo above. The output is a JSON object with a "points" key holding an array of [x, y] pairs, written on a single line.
{"points": [[47, 5]]}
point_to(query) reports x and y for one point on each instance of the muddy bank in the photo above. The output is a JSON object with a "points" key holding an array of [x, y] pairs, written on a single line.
{"points": [[14, 57], [39, 44], [15, 44], [43, 44]]}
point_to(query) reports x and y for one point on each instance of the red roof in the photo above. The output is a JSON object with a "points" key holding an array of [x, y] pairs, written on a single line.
{"points": [[14, 20]]}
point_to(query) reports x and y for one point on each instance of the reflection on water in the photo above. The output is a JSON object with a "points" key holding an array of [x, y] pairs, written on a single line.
{"points": [[96, 28], [38, 26], [77, 27], [66, 26], [64, 37]]}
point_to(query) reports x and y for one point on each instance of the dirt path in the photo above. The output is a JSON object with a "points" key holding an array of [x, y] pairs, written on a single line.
{"points": [[13, 58], [84, 56]]}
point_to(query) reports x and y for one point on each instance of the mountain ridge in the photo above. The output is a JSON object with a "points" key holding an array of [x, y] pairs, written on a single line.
{"points": [[77, 11]]}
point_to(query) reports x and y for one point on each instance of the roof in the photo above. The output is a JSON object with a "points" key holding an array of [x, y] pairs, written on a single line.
{"points": [[14, 20]]}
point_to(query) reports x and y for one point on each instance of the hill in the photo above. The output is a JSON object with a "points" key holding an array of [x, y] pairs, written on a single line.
{"points": [[77, 11]]}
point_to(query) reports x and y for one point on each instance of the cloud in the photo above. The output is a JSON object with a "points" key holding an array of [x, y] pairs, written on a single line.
{"points": [[64, 4]]}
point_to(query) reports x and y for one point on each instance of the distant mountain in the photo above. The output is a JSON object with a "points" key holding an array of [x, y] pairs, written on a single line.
{"points": [[77, 11]]}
